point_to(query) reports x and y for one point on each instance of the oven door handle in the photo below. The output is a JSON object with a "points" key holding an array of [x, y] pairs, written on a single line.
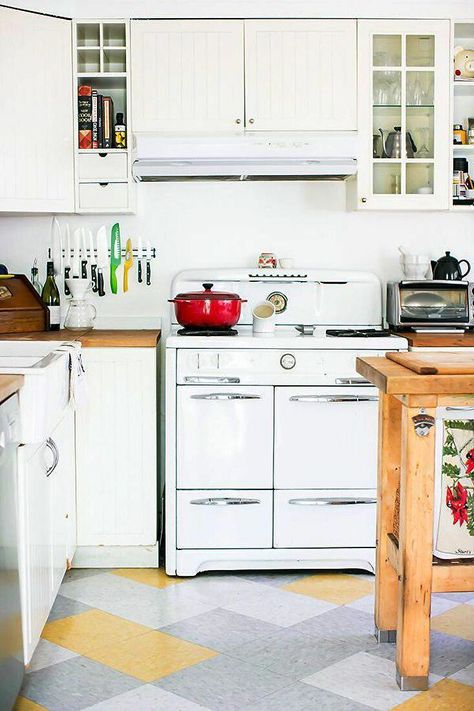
{"points": [[460, 408], [225, 396], [352, 381], [334, 398], [210, 379], [224, 501], [330, 501]]}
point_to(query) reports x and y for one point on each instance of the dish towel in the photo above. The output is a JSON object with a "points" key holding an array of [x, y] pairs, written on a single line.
{"points": [[77, 379]]}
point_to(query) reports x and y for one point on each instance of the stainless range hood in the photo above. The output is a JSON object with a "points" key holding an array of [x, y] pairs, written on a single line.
{"points": [[249, 156]]}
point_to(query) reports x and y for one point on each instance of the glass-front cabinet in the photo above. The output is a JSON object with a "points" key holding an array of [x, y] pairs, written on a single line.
{"points": [[404, 114]]}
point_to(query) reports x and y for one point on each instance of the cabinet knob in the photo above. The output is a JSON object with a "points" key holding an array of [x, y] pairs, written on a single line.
{"points": [[251, 120], [237, 121], [363, 199]]}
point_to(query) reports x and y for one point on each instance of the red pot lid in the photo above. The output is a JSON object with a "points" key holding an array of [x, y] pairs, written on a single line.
{"points": [[208, 294]]}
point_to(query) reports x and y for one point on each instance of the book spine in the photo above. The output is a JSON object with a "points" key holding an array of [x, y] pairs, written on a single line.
{"points": [[95, 140], [84, 119], [108, 118], [100, 121]]}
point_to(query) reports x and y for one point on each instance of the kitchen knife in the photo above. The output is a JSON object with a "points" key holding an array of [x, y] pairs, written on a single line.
{"points": [[93, 262], [140, 257], [67, 260], [128, 264], [75, 257], [57, 246], [84, 254], [102, 257], [148, 264], [115, 256]]}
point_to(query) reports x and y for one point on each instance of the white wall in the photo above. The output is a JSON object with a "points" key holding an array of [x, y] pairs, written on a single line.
{"points": [[228, 224]]}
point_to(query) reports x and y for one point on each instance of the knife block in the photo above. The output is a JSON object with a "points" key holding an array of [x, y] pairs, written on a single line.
{"points": [[21, 308]]}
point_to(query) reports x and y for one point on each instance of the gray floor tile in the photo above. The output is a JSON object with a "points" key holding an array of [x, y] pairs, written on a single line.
{"points": [[275, 578], [220, 629], [343, 623], [75, 684], [456, 597], [79, 573], [301, 697], [146, 698], [65, 607], [292, 653], [223, 683], [46, 654], [465, 676]]}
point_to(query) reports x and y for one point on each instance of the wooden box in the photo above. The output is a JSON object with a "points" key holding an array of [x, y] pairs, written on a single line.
{"points": [[21, 308]]}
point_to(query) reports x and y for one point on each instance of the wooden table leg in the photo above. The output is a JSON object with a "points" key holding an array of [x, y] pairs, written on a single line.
{"points": [[386, 580], [415, 552]]}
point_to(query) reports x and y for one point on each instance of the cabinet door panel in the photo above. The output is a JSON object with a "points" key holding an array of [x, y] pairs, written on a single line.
{"points": [[300, 74], [187, 75], [116, 448], [36, 120]]}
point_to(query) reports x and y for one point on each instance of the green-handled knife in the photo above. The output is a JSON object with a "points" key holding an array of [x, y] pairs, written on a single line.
{"points": [[115, 256]]}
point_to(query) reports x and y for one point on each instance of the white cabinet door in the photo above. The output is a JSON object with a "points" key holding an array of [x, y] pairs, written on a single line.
{"points": [[116, 448], [300, 74], [224, 437], [325, 438], [36, 119], [187, 75], [404, 125]]}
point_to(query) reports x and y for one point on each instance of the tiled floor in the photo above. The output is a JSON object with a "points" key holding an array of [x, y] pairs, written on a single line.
{"points": [[136, 640]]}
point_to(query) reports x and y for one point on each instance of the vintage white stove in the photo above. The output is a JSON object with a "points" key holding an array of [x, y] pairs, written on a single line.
{"points": [[271, 440]]}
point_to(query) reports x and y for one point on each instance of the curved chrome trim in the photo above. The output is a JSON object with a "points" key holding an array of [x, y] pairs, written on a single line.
{"points": [[225, 396], [334, 398], [329, 501], [52, 446], [224, 501], [210, 379]]}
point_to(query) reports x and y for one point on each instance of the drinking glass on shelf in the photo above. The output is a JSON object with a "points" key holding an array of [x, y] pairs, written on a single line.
{"points": [[424, 151]]}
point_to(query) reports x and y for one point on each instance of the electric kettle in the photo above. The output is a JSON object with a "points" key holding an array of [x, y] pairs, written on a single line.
{"points": [[448, 267]]}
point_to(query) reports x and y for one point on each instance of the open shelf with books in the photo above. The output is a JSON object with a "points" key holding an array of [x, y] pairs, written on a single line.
{"points": [[462, 101], [102, 109]]}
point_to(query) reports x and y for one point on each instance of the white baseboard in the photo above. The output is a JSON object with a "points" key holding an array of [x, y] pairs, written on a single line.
{"points": [[116, 557]]}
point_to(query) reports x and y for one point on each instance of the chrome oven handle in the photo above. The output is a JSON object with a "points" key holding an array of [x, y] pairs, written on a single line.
{"points": [[225, 396], [224, 501], [52, 446], [460, 408], [210, 379], [352, 381], [330, 501], [333, 398]]}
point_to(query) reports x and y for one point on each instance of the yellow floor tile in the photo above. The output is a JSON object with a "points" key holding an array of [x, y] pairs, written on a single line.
{"points": [[155, 577], [459, 621], [88, 630], [446, 695], [24, 704], [151, 656], [332, 587]]}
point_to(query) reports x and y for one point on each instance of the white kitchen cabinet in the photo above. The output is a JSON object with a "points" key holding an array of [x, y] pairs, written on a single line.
{"points": [[300, 74], [36, 119], [187, 75], [116, 452], [404, 69]]}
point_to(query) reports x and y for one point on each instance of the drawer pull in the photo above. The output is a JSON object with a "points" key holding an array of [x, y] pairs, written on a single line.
{"points": [[333, 398], [224, 501], [103, 185], [209, 379], [225, 396], [460, 408], [352, 381], [102, 155], [330, 502]]}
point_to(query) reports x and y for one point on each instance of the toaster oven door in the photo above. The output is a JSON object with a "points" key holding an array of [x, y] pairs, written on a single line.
{"points": [[434, 302]]}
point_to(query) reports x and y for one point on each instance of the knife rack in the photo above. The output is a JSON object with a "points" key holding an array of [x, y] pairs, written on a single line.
{"points": [[123, 253]]}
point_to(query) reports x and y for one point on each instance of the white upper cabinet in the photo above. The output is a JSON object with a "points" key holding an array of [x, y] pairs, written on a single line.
{"points": [[36, 117], [404, 126], [300, 75], [187, 75]]}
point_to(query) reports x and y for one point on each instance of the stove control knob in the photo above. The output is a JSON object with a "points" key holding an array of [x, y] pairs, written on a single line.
{"points": [[287, 361]]}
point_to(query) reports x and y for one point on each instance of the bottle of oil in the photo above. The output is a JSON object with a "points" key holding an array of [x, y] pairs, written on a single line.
{"points": [[50, 297], [120, 132]]}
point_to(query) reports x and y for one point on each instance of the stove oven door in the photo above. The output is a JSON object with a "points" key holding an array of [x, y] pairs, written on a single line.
{"points": [[326, 437]]}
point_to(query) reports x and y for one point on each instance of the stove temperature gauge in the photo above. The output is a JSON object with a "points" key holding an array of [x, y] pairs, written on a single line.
{"points": [[287, 361]]}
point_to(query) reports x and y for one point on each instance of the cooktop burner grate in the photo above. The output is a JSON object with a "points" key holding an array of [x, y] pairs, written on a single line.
{"points": [[207, 332], [354, 333]]}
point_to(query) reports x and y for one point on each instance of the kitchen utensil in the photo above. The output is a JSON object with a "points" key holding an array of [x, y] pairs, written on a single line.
{"points": [[263, 315], [128, 263], [449, 267], [56, 246], [67, 260], [392, 143], [115, 256], [75, 256], [414, 266], [83, 254], [80, 314], [286, 262], [267, 260], [139, 264], [148, 263], [436, 363], [93, 261], [102, 258], [207, 309]]}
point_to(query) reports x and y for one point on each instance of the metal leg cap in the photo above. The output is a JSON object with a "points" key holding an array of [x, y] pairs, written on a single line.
{"points": [[412, 683], [383, 636]]}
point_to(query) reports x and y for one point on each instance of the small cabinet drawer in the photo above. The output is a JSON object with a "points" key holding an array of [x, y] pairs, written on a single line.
{"points": [[224, 519], [105, 196], [325, 518], [102, 166]]}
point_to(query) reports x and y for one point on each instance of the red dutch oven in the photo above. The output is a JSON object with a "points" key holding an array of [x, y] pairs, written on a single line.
{"points": [[207, 309]]}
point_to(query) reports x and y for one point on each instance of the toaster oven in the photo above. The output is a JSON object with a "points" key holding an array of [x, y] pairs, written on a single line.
{"points": [[430, 304]]}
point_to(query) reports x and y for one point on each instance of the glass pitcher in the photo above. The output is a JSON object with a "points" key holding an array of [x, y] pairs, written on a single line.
{"points": [[80, 315]]}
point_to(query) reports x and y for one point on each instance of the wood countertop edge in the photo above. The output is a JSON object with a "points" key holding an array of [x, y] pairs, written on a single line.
{"points": [[437, 340], [394, 379], [9, 384], [94, 338]]}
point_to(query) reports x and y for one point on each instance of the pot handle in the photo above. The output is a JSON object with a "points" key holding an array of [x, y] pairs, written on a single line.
{"points": [[468, 267]]}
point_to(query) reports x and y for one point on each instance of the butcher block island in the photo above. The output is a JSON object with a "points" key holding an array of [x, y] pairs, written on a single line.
{"points": [[418, 415]]}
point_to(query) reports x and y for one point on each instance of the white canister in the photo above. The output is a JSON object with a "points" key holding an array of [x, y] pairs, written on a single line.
{"points": [[263, 317]]}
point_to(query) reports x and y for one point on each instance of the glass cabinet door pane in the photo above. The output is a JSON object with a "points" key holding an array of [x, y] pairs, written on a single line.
{"points": [[420, 126], [420, 88], [387, 50], [387, 179], [419, 178], [420, 51], [387, 88]]}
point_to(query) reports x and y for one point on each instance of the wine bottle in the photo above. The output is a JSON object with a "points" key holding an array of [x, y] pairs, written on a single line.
{"points": [[50, 297]]}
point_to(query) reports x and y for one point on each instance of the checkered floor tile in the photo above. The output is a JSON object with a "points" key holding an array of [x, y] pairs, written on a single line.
{"points": [[136, 640]]}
